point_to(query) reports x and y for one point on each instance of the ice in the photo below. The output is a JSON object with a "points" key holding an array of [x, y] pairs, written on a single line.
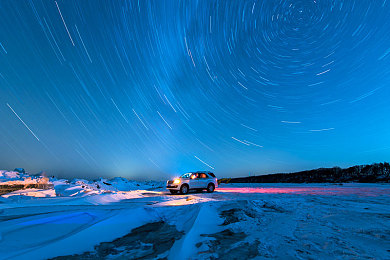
{"points": [[122, 218]]}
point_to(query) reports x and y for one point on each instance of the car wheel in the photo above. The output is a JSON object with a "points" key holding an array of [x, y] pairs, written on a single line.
{"points": [[184, 189], [173, 191], [210, 188]]}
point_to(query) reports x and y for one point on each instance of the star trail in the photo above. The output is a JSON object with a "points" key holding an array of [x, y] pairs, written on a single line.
{"points": [[149, 89]]}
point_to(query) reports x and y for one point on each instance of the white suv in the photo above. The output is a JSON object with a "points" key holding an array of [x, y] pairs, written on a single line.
{"points": [[193, 181]]}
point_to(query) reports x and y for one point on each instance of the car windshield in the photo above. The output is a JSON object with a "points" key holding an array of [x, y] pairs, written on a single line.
{"points": [[186, 175]]}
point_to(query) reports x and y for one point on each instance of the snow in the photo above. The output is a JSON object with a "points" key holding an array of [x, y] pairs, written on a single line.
{"points": [[9, 178], [204, 221], [24, 194], [75, 232], [236, 221]]}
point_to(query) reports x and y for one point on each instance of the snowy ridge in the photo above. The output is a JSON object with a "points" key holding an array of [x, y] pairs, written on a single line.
{"points": [[18, 183], [13, 177]]}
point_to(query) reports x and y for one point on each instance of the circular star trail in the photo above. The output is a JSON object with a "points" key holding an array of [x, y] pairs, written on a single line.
{"points": [[146, 89]]}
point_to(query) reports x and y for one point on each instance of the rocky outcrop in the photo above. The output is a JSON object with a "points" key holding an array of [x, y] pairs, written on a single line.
{"points": [[7, 188], [19, 180], [378, 172]]}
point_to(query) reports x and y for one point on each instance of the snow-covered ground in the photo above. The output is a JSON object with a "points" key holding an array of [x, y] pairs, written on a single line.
{"points": [[8, 178], [127, 219]]}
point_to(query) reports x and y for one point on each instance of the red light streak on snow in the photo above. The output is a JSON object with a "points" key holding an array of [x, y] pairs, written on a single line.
{"points": [[361, 191]]}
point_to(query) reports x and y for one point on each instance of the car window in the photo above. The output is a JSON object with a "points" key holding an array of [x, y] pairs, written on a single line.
{"points": [[186, 175], [211, 174], [194, 176], [203, 176]]}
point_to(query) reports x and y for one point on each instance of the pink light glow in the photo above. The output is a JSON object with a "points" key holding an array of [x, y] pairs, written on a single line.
{"points": [[361, 191]]}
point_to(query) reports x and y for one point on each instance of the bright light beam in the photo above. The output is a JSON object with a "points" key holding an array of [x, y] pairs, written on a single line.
{"points": [[164, 120], [23, 122], [66, 27], [203, 162]]}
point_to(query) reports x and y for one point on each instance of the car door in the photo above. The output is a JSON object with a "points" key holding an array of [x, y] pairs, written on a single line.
{"points": [[203, 180], [195, 181]]}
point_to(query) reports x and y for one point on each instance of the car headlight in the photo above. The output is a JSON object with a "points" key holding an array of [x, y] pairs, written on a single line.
{"points": [[176, 181]]}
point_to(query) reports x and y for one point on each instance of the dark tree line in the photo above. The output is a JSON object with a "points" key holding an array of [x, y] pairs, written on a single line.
{"points": [[377, 172]]}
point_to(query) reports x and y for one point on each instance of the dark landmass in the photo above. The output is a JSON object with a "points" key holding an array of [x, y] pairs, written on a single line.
{"points": [[7, 188], [374, 173]]}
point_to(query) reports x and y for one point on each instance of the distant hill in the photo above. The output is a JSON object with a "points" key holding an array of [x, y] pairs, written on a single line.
{"points": [[377, 172]]}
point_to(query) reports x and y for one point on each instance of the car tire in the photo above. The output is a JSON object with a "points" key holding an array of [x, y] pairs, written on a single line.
{"points": [[184, 189], [210, 188], [173, 191]]}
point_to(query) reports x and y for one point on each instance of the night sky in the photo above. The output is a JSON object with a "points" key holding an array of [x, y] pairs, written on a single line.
{"points": [[150, 89]]}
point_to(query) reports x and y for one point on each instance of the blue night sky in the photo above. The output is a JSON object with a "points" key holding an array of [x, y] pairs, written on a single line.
{"points": [[149, 89]]}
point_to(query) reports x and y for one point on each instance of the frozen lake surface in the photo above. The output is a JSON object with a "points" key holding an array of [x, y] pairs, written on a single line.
{"points": [[238, 221]]}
